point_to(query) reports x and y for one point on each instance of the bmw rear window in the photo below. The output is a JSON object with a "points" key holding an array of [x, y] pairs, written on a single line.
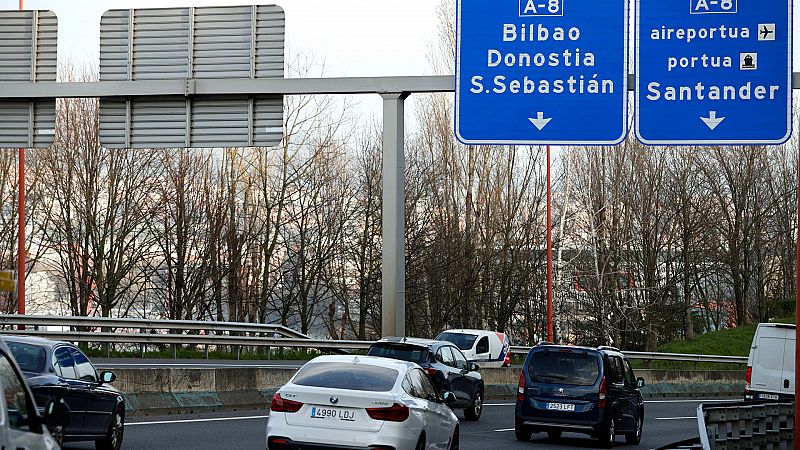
{"points": [[350, 376], [403, 352], [555, 367]]}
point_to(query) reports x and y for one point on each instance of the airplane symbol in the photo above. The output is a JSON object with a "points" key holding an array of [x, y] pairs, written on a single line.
{"points": [[766, 32]]}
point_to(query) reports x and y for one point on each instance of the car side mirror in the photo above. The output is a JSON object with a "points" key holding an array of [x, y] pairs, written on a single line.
{"points": [[56, 413], [107, 377], [639, 382], [474, 367], [448, 398]]}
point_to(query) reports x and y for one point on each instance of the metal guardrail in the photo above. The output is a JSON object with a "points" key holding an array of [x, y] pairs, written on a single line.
{"points": [[757, 426], [767, 425], [211, 333], [646, 356], [146, 324]]}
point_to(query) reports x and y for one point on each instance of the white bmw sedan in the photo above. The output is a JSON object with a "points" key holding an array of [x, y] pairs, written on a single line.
{"points": [[361, 402]]}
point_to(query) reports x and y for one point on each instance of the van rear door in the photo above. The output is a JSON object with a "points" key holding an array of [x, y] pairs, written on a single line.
{"points": [[768, 359]]}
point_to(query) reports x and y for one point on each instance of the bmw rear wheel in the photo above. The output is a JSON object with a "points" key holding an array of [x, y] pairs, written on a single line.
{"points": [[421, 444]]}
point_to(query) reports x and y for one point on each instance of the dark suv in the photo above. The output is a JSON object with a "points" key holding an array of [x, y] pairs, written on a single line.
{"points": [[445, 365], [579, 389]]}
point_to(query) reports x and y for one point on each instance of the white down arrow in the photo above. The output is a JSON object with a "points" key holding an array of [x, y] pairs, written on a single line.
{"points": [[540, 122]]}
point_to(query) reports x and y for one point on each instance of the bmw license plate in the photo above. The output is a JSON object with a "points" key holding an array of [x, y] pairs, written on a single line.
{"points": [[768, 396], [346, 415], [560, 407]]}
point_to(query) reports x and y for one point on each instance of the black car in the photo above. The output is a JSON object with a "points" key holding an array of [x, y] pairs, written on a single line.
{"points": [[445, 365], [579, 389], [58, 370]]}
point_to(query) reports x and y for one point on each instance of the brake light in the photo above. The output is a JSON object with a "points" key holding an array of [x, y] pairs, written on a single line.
{"points": [[280, 404], [748, 377], [431, 373], [603, 389], [394, 413], [521, 387]]}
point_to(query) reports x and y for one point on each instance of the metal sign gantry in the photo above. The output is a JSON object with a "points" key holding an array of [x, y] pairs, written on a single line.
{"points": [[192, 44], [28, 48]]}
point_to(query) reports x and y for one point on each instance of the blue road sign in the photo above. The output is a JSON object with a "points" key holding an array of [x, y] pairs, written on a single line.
{"points": [[714, 72], [542, 72]]}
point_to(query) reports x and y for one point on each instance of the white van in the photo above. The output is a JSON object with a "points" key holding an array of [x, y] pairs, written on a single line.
{"points": [[770, 367], [485, 348]]}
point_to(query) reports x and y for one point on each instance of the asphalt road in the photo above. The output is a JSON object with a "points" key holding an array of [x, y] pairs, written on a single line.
{"points": [[666, 421]]}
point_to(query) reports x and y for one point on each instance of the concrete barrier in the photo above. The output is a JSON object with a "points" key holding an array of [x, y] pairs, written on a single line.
{"points": [[182, 391]]}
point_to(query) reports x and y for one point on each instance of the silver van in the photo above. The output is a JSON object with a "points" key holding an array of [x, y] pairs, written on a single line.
{"points": [[21, 424], [770, 366]]}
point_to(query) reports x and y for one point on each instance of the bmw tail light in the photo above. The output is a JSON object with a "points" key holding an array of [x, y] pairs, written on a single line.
{"points": [[603, 390], [394, 413], [521, 387], [280, 404]]}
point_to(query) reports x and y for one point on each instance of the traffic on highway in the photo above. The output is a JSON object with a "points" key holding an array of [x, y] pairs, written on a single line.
{"points": [[611, 186], [402, 395]]}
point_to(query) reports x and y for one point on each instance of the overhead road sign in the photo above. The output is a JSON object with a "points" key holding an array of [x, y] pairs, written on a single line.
{"points": [[28, 48], [714, 72], [192, 45], [541, 72]]}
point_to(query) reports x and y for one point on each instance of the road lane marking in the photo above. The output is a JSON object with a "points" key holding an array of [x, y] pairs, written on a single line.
{"points": [[217, 419], [676, 418], [689, 400], [234, 365], [504, 430]]}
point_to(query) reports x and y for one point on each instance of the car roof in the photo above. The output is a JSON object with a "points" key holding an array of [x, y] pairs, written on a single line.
{"points": [[47, 343], [469, 331], [418, 342], [365, 360], [600, 349]]}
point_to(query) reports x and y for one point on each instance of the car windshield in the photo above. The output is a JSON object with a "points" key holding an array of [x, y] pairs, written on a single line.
{"points": [[555, 367], [402, 352], [462, 340], [350, 376], [31, 358]]}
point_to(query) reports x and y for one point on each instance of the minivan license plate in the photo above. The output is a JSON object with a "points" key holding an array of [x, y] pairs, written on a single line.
{"points": [[560, 407], [333, 414], [768, 396]]}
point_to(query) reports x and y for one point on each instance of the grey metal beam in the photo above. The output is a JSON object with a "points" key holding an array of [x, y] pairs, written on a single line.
{"points": [[393, 317], [286, 86]]}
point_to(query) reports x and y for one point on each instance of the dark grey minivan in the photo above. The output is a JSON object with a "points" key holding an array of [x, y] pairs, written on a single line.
{"points": [[579, 389]]}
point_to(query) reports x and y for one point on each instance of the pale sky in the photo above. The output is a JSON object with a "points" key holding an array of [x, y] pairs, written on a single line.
{"points": [[354, 37]]}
